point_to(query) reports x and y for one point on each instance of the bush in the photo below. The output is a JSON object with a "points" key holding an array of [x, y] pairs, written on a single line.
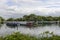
{"points": [[19, 36]]}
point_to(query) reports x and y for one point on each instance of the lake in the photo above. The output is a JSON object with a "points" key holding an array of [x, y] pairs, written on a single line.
{"points": [[55, 28]]}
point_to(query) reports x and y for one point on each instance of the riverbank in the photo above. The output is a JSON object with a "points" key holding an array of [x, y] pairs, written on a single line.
{"points": [[19, 36]]}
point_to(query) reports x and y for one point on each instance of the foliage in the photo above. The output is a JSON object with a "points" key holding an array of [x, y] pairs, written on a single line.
{"points": [[19, 36], [10, 19], [1, 20], [33, 17]]}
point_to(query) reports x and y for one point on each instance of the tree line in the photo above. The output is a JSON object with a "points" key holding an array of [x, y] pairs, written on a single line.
{"points": [[33, 17]]}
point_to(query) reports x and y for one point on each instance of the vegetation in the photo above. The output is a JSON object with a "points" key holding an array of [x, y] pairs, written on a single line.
{"points": [[19, 36], [1, 20], [33, 17]]}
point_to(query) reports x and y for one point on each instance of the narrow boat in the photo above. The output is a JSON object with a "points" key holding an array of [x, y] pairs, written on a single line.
{"points": [[19, 23], [12, 24], [26, 24]]}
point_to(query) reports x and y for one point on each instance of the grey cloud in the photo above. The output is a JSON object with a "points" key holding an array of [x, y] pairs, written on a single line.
{"points": [[26, 7]]}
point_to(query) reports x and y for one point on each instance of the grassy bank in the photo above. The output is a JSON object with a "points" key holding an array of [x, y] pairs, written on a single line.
{"points": [[19, 36]]}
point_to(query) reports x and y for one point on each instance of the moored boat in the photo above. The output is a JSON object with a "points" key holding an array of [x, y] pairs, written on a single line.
{"points": [[19, 23]]}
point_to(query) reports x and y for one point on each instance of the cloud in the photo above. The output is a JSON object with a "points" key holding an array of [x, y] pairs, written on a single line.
{"points": [[21, 7]]}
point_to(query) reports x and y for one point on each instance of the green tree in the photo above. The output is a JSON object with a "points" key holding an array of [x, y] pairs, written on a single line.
{"points": [[49, 18], [2, 20], [10, 19]]}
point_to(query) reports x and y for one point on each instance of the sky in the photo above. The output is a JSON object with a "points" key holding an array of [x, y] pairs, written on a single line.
{"points": [[18, 8]]}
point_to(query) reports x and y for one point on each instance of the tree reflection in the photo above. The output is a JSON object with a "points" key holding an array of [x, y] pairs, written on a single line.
{"points": [[0, 25]]}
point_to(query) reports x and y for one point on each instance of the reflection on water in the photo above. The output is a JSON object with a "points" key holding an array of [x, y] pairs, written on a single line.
{"points": [[4, 29], [1, 25]]}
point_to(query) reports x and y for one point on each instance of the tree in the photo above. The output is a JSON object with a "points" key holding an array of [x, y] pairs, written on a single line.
{"points": [[10, 19], [49, 18], [30, 17], [25, 17], [33, 17], [1, 20], [39, 18], [18, 19]]}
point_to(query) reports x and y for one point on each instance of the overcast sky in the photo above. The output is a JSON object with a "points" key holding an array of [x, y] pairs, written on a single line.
{"points": [[18, 8]]}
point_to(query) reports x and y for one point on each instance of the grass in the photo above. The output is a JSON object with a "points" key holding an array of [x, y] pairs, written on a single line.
{"points": [[19, 36]]}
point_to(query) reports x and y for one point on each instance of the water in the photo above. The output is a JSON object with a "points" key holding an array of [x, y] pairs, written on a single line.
{"points": [[55, 28]]}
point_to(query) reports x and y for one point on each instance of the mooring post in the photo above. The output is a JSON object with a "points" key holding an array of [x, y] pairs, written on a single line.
{"points": [[58, 22]]}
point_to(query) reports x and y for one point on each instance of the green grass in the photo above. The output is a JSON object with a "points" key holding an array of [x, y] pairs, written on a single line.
{"points": [[19, 36]]}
